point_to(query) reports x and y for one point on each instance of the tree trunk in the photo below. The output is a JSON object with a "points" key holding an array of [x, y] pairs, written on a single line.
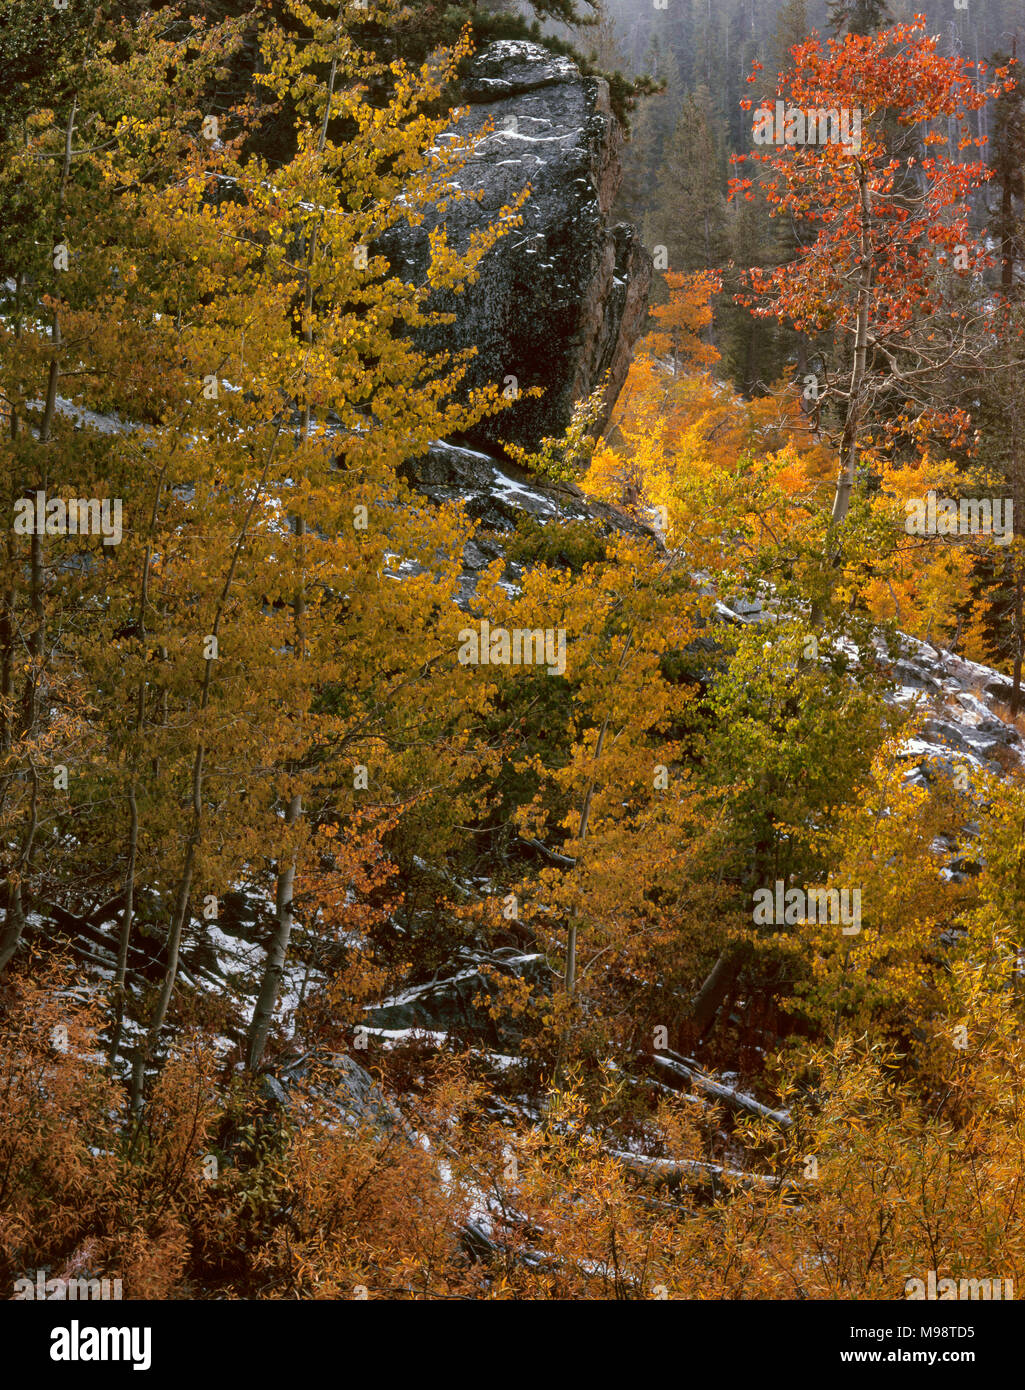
{"points": [[849, 441], [277, 951], [14, 920], [174, 936], [717, 985], [15, 915], [570, 977], [1016, 677], [159, 1016], [127, 915]]}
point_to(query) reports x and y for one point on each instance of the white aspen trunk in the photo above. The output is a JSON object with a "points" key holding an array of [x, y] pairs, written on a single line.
{"points": [[855, 404], [277, 952]]}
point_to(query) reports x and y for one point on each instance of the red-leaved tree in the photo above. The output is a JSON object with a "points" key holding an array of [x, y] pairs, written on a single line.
{"points": [[874, 162]]}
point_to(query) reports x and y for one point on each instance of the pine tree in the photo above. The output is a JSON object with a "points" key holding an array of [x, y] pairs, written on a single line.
{"points": [[1007, 159], [651, 129], [689, 216], [792, 27], [858, 16]]}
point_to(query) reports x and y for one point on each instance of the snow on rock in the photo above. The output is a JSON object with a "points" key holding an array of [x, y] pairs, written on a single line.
{"points": [[561, 299], [962, 704], [965, 716], [455, 1003]]}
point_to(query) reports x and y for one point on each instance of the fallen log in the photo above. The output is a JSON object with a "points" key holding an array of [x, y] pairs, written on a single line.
{"points": [[666, 1169], [719, 1090]]}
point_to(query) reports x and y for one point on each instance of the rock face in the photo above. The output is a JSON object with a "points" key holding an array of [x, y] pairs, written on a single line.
{"points": [[451, 1004], [560, 300], [964, 705], [346, 1087], [497, 495]]}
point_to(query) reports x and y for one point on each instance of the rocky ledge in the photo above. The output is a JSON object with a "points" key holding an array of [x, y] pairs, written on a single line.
{"points": [[561, 299]]}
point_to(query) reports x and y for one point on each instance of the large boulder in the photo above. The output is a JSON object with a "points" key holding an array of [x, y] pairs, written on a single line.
{"points": [[561, 300], [345, 1087], [498, 495]]}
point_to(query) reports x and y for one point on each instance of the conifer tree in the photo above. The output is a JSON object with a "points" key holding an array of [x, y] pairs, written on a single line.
{"points": [[689, 216], [858, 16]]}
